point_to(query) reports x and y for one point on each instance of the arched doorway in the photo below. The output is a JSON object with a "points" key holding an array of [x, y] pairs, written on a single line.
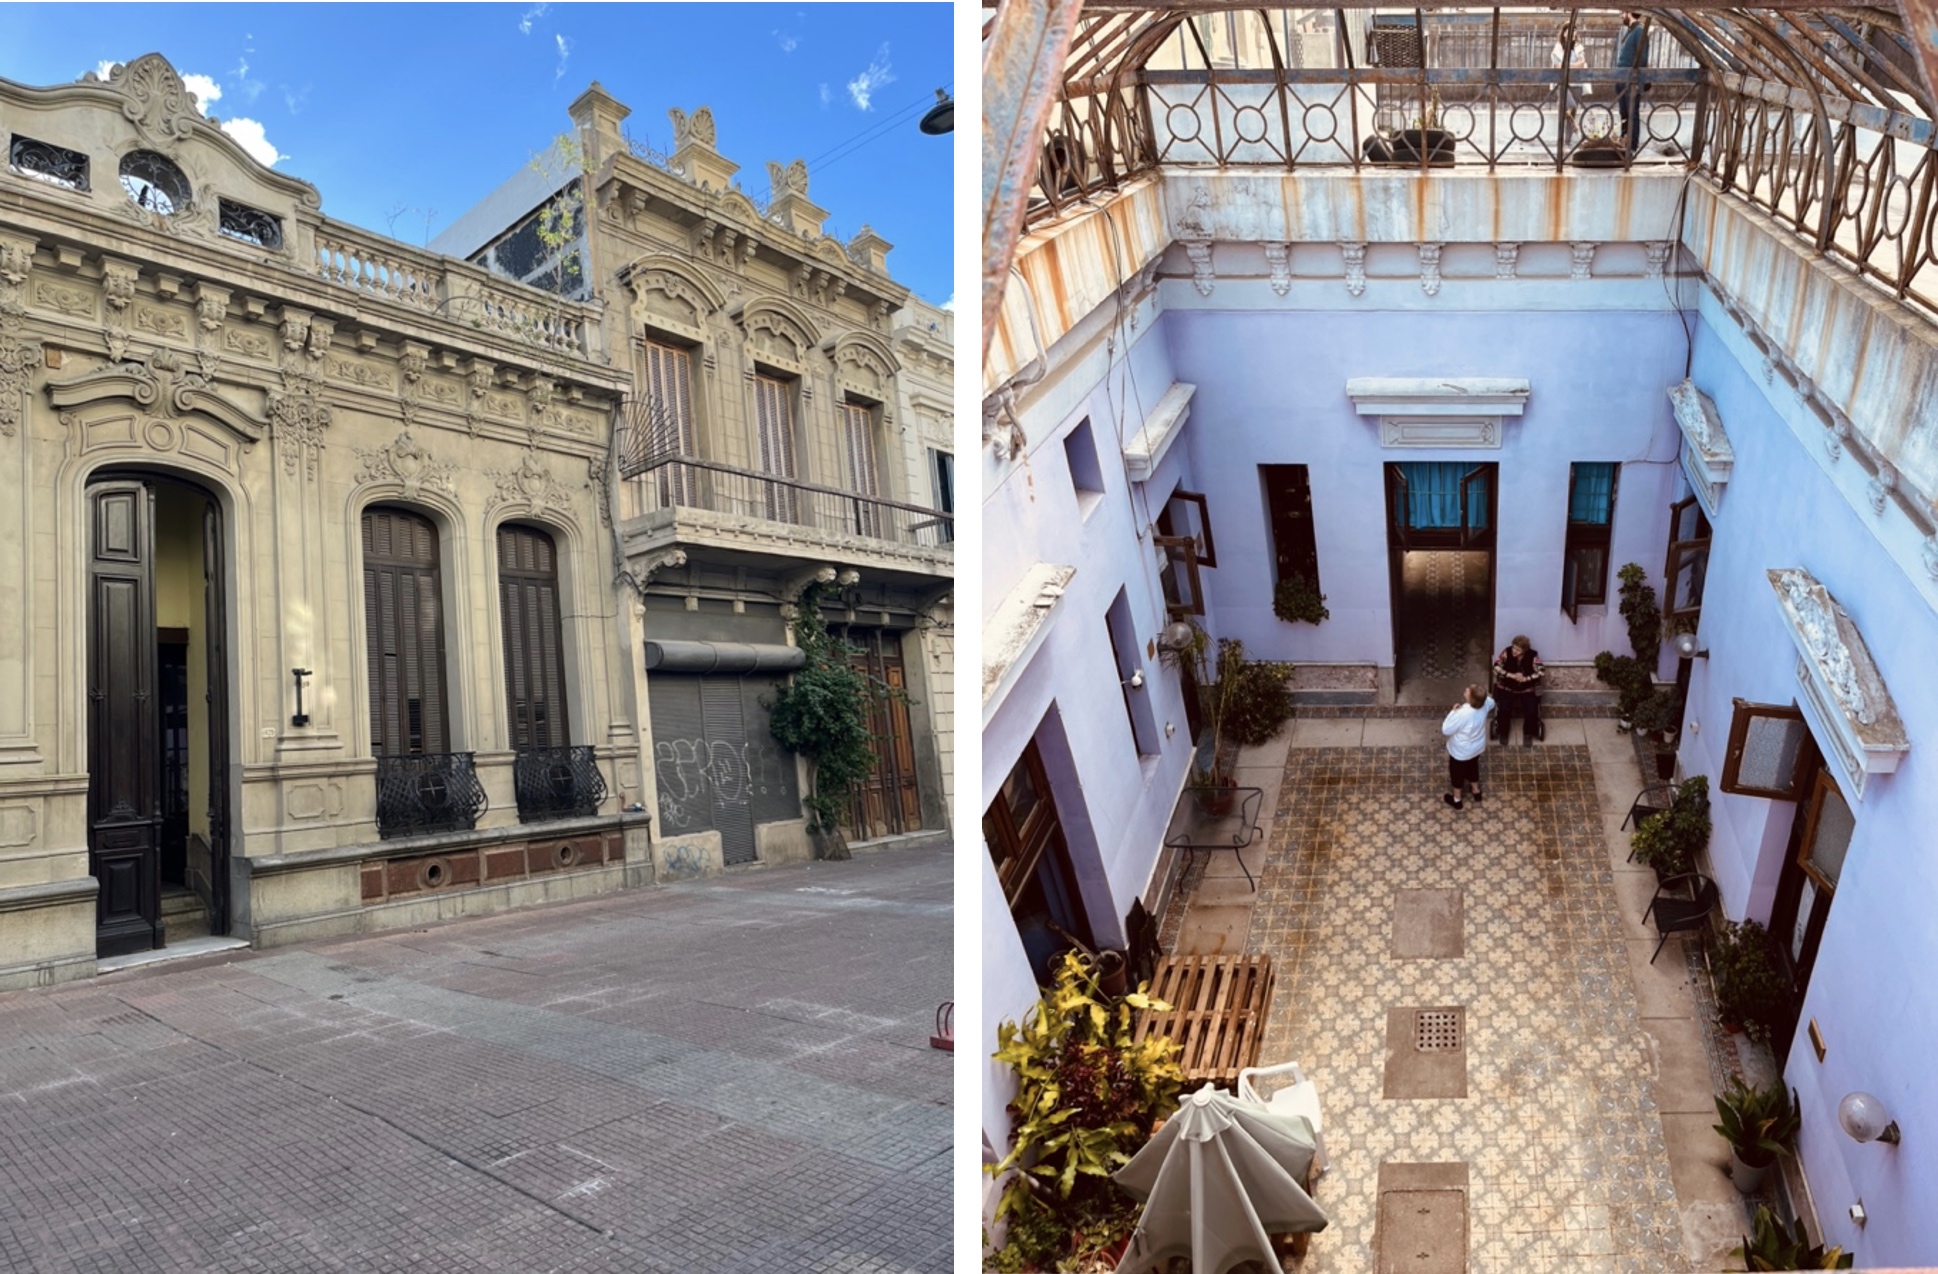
{"points": [[158, 697]]}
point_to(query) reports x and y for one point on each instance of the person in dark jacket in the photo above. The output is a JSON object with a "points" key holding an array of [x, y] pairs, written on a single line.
{"points": [[1517, 685], [1631, 53]]}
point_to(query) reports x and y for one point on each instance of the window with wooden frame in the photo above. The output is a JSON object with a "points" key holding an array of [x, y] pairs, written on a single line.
{"points": [[1288, 512], [1187, 513], [774, 427], [864, 476], [1025, 841], [1184, 537], [529, 612], [1591, 519], [403, 619], [1688, 562], [669, 397], [942, 471], [1828, 837], [1769, 752]]}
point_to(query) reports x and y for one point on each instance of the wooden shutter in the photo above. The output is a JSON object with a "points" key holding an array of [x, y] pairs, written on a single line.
{"points": [[669, 392], [1688, 562], [858, 425], [1770, 753], [775, 423], [404, 633], [528, 597]]}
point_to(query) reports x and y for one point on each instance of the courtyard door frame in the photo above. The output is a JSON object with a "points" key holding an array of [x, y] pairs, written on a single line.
{"points": [[1476, 530], [124, 740]]}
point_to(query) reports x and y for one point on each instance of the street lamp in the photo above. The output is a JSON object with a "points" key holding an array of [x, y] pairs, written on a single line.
{"points": [[941, 117]]}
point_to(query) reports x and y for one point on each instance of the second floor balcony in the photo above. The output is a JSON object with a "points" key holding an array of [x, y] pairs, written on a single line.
{"points": [[686, 501]]}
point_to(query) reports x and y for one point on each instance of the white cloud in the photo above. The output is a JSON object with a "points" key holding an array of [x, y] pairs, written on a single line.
{"points": [[861, 89], [950, 304], [105, 65], [251, 89], [535, 12], [207, 91], [788, 43], [826, 96], [248, 134], [565, 51]]}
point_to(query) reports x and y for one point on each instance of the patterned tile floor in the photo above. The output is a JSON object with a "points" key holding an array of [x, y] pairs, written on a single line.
{"points": [[1447, 619], [1560, 1127]]}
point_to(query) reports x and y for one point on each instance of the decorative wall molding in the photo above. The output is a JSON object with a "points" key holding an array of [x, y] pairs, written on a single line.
{"points": [[1658, 259], [1279, 257], [1707, 457], [1844, 698], [1355, 254], [1429, 268], [530, 484], [1421, 412], [1581, 259], [406, 463], [1507, 260], [1143, 453]]}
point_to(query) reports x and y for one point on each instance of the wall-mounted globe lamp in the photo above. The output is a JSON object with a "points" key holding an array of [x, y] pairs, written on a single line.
{"points": [[1686, 647], [1175, 636], [1865, 1119]]}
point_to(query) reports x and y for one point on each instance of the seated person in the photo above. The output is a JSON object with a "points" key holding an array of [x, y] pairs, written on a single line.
{"points": [[1517, 685]]}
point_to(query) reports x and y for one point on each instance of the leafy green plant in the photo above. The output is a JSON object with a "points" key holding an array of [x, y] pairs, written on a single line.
{"points": [[1656, 713], [1218, 682], [1087, 1096], [822, 715], [1261, 703], [1643, 615], [1628, 677], [1296, 601], [1750, 986], [1670, 841], [1758, 1123], [1776, 1246]]}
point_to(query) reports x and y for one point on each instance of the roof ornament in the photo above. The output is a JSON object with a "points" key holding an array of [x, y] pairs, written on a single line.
{"points": [[155, 98], [697, 127]]}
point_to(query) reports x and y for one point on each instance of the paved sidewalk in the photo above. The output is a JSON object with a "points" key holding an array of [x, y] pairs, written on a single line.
{"points": [[722, 1076]]}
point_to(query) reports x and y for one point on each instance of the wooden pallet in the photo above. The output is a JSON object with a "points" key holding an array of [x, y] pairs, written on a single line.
{"points": [[1217, 1013]]}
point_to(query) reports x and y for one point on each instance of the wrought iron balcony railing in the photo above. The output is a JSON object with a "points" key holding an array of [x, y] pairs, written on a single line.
{"points": [[557, 783], [675, 481], [428, 792]]}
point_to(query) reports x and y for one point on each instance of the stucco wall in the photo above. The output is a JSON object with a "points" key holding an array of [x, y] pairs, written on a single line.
{"points": [[1781, 509]]}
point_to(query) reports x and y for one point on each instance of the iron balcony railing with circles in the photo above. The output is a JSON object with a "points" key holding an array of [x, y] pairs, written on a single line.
{"points": [[424, 792], [562, 782], [676, 481]]}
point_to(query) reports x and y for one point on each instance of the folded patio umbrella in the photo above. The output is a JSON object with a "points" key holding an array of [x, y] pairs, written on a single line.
{"points": [[1218, 1180]]}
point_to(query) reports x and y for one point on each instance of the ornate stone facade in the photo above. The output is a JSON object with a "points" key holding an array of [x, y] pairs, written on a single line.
{"points": [[277, 393]]}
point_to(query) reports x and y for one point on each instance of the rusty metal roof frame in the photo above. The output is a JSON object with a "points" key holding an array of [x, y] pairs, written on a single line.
{"points": [[1784, 74]]}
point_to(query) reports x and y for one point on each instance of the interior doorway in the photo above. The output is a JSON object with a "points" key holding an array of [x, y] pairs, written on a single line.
{"points": [[1440, 524], [1812, 863], [158, 691]]}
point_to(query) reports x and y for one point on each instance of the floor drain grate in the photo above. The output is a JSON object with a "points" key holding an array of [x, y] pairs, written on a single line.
{"points": [[1436, 1031]]}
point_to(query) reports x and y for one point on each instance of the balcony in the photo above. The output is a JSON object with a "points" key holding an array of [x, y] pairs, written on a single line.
{"points": [[557, 783], [426, 792], [676, 499]]}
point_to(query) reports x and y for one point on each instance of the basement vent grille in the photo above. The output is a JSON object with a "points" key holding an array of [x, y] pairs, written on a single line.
{"points": [[1436, 1031]]}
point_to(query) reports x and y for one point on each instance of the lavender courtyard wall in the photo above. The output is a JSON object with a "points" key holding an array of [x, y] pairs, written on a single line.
{"points": [[1272, 390], [1869, 992]]}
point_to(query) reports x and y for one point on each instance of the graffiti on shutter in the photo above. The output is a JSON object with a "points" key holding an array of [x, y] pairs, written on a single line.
{"points": [[717, 765]]}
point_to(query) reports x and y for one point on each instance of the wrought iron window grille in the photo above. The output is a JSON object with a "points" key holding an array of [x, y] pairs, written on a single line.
{"points": [[250, 225], [562, 782], [55, 165], [424, 792], [154, 182]]}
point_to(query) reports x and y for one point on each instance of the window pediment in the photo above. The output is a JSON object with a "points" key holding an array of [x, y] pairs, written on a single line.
{"points": [[1844, 696]]}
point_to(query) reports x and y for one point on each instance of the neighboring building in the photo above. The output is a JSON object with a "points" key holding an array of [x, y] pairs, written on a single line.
{"points": [[789, 426], [305, 584], [1227, 330]]}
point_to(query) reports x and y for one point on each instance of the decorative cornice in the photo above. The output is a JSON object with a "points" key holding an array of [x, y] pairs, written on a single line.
{"points": [[187, 390], [1844, 695], [1707, 457], [406, 463]]}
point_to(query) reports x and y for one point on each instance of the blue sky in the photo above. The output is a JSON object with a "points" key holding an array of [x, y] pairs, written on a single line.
{"points": [[405, 115]]}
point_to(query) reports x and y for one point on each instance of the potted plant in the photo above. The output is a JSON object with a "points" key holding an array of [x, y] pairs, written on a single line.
{"points": [[1758, 1123], [1087, 1098], [1776, 1246], [1222, 684], [1655, 716], [1751, 991], [822, 715], [1296, 601], [1669, 841], [1643, 615], [1631, 682]]}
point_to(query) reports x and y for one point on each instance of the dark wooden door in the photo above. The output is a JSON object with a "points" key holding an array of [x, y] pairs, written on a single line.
{"points": [[888, 801], [528, 608], [124, 762], [404, 633], [1815, 859], [215, 641]]}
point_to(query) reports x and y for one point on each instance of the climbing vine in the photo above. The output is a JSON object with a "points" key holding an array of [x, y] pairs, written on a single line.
{"points": [[822, 715]]}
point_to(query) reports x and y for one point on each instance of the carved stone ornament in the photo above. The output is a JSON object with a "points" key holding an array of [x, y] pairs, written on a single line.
{"points": [[1879, 489], [1279, 257], [789, 180], [408, 464], [16, 262], [478, 376], [1355, 254], [118, 282], [1430, 268], [1816, 621], [696, 128], [1582, 262], [296, 329], [1658, 258], [298, 420], [1202, 276], [211, 306], [530, 483], [647, 565], [154, 98], [16, 359], [1507, 260], [322, 331], [1930, 555], [599, 482]]}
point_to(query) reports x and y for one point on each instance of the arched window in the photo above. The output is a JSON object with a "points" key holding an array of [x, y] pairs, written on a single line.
{"points": [[528, 597], [404, 632]]}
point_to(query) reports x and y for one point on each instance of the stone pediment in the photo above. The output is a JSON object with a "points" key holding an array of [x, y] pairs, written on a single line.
{"points": [[1844, 696], [168, 386]]}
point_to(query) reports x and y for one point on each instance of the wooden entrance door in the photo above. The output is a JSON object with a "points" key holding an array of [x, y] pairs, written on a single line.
{"points": [[887, 802], [124, 763], [215, 614], [1818, 841]]}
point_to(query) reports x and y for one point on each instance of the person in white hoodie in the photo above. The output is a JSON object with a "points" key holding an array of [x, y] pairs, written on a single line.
{"points": [[1466, 731]]}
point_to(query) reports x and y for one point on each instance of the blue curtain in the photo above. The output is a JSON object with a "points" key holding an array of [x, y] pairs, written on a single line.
{"points": [[1593, 497], [1433, 495]]}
